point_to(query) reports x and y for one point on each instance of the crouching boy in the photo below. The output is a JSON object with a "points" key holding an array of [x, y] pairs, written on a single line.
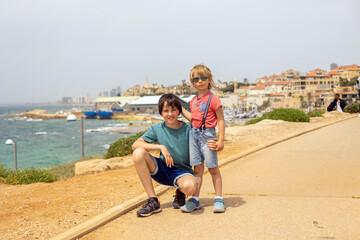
{"points": [[172, 168]]}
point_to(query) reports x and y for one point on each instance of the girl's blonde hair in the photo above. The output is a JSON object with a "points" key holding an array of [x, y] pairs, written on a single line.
{"points": [[202, 70]]}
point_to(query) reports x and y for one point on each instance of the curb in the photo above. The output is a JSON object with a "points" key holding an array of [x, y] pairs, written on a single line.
{"points": [[111, 214], [115, 212]]}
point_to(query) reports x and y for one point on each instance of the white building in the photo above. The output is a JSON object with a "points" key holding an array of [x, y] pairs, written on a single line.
{"points": [[107, 103]]}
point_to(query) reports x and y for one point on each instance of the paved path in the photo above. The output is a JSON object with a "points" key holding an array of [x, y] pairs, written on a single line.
{"points": [[304, 188]]}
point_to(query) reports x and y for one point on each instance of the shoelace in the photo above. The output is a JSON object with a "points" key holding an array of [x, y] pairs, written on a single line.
{"points": [[148, 204]]}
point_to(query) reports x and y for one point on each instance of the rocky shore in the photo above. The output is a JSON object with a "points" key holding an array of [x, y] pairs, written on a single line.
{"points": [[43, 210], [41, 114]]}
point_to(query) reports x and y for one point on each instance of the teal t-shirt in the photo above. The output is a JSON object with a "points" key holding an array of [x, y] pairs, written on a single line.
{"points": [[175, 140]]}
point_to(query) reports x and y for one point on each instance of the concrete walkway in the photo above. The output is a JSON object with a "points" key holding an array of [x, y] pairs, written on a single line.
{"points": [[304, 188]]}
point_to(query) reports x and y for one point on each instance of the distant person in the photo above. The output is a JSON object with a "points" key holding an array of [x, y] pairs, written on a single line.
{"points": [[172, 168], [206, 113], [358, 89], [337, 104]]}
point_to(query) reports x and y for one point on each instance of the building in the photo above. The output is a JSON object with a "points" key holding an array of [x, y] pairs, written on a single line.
{"points": [[67, 100], [229, 101], [113, 92], [275, 99], [134, 91], [105, 94], [88, 98], [118, 91], [335, 75], [333, 65], [315, 80], [146, 104], [108, 103], [291, 75], [348, 93], [80, 99], [277, 87]]}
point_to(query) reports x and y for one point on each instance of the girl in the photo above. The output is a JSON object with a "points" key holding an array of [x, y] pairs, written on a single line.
{"points": [[206, 113]]}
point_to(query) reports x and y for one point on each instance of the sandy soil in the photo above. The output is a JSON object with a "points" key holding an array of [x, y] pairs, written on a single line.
{"points": [[43, 210]]}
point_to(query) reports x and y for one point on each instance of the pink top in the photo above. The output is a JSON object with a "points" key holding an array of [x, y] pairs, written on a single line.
{"points": [[197, 108]]}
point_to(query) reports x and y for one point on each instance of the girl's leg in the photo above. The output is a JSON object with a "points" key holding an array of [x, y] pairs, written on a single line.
{"points": [[144, 165], [198, 172], [217, 180]]}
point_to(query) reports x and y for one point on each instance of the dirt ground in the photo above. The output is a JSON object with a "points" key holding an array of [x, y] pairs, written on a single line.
{"points": [[43, 210]]}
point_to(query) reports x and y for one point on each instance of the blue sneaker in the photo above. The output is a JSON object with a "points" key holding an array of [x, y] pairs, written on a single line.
{"points": [[191, 205], [219, 205]]}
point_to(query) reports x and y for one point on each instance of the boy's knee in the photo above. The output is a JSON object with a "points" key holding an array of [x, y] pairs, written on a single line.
{"points": [[189, 187], [138, 154]]}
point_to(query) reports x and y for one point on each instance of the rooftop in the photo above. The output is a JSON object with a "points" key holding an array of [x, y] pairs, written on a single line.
{"points": [[146, 100]]}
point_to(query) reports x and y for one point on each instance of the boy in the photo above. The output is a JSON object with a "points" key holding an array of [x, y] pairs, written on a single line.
{"points": [[172, 168]]}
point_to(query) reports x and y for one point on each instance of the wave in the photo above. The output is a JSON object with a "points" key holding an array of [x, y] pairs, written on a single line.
{"points": [[105, 129], [34, 120], [45, 133], [41, 133], [17, 119]]}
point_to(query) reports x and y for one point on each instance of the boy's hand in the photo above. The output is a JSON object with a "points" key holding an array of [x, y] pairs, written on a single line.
{"points": [[168, 158], [215, 145]]}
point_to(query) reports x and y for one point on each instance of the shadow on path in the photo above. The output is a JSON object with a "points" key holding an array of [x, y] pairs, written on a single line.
{"points": [[230, 202]]}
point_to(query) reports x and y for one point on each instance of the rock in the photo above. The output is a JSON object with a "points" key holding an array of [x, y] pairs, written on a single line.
{"points": [[102, 165]]}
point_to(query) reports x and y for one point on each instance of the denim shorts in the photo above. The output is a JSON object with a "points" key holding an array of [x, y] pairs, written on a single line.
{"points": [[199, 151], [165, 175]]}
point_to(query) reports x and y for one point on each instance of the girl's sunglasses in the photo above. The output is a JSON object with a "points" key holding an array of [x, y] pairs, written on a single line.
{"points": [[196, 79]]}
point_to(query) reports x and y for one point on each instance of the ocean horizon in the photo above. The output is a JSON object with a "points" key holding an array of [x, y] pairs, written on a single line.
{"points": [[46, 143]]}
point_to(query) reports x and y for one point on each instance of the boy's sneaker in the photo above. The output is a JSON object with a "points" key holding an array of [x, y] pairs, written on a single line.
{"points": [[219, 205], [191, 205], [150, 207], [179, 199]]}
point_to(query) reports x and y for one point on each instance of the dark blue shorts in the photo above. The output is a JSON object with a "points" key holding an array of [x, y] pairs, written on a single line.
{"points": [[165, 175]]}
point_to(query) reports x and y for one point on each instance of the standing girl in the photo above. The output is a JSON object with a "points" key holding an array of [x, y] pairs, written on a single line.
{"points": [[206, 113]]}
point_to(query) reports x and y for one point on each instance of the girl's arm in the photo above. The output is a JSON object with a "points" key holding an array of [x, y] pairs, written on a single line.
{"points": [[218, 144], [186, 114], [141, 143]]}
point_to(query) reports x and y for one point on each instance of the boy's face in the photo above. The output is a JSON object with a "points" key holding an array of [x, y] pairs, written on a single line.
{"points": [[170, 114], [201, 85]]}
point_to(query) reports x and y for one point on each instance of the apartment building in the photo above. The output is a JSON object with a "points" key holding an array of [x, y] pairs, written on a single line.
{"points": [[315, 80], [348, 71]]}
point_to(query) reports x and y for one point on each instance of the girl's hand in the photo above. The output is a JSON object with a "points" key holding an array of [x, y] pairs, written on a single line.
{"points": [[168, 158], [215, 145]]}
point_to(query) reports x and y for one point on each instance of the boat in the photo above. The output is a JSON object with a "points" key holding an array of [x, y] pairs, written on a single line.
{"points": [[71, 117], [105, 114], [117, 109], [9, 142], [90, 114]]}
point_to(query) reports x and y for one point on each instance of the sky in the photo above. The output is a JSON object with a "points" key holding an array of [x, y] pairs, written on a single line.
{"points": [[53, 49]]}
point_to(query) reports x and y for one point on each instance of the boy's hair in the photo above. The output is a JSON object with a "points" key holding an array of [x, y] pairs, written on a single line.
{"points": [[172, 100], [202, 70]]}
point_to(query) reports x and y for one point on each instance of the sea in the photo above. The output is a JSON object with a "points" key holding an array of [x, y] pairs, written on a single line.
{"points": [[46, 143]]}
